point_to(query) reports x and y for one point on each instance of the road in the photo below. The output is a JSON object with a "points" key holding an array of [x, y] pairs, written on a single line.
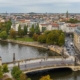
{"points": [[42, 62], [69, 48]]}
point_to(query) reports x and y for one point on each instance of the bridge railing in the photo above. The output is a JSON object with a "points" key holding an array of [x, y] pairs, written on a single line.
{"points": [[16, 61]]}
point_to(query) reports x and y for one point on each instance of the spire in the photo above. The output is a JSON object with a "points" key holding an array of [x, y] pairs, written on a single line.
{"points": [[67, 14]]}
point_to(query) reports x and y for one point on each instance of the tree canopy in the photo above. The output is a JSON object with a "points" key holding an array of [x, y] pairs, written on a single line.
{"points": [[56, 37]]}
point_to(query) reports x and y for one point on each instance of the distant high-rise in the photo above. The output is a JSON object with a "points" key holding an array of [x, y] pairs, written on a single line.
{"points": [[67, 14]]}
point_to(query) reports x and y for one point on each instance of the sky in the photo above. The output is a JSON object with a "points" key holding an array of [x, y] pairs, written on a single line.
{"points": [[39, 6]]}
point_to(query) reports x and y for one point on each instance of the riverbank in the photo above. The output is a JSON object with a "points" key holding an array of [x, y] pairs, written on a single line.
{"points": [[56, 49]]}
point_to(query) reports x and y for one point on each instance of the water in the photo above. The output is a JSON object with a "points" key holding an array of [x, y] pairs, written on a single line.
{"points": [[21, 52], [25, 52], [56, 74]]}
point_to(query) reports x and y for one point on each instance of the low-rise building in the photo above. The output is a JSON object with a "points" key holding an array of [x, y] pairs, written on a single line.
{"points": [[48, 26], [77, 38]]}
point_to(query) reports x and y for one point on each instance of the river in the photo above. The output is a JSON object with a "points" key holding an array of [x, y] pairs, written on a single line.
{"points": [[26, 52], [56, 74], [21, 52]]}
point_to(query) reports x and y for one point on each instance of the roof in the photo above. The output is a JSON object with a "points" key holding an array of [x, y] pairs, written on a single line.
{"points": [[45, 24], [72, 25], [78, 30], [55, 25]]}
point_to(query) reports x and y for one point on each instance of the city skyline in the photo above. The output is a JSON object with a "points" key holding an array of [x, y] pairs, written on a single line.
{"points": [[42, 6]]}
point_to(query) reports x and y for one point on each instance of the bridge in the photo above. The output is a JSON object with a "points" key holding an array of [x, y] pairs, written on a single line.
{"points": [[44, 63]]}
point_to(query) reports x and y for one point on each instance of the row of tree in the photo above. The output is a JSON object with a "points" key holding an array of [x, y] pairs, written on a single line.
{"points": [[23, 32], [6, 26], [55, 37], [73, 21]]}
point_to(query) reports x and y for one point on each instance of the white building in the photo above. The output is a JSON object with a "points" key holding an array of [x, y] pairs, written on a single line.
{"points": [[49, 26], [68, 27]]}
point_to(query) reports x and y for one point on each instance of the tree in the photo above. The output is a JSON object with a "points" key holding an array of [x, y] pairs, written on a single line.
{"points": [[5, 68], [16, 72], [61, 40], [42, 38], [1, 73], [3, 35], [13, 33], [25, 30], [45, 78], [50, 38], [37, 30], [8, 25], [35, 37], [23, 77], [32, 31], [19, 31]]}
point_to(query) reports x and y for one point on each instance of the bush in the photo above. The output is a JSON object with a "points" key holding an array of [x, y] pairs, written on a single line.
{"points": [[3, 35], [5, 68]]}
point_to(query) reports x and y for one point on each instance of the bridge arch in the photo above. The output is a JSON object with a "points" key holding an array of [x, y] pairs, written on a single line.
{"points": [[49, 68]]}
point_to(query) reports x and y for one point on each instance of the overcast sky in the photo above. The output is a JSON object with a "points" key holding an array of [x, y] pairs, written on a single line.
{"points": [[40, 6]]}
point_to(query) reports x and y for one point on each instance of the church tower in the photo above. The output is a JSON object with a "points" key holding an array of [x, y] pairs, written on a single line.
{"points": [[67, 14]]}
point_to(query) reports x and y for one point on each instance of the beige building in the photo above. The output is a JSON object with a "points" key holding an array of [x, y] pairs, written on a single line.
{"points": [[77, 38], [50, 26]]}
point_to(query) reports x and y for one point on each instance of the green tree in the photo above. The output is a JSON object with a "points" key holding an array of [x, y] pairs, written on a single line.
{"points": [[61, 40], [19, 30], [32, 31], [16, 72], [5, 68], [1, 73], [50, 38], [3, 35], [37, 29], [35, 37], [25, 30], [13, 33], [42, 38], [8, 26]]}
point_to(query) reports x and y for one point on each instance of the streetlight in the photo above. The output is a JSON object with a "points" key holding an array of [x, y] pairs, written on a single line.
{"points": [[14, 58]]}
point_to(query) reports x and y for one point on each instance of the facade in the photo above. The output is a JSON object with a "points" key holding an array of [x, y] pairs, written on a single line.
{"points": [[68, 27], [48, 26], [77, 38]]}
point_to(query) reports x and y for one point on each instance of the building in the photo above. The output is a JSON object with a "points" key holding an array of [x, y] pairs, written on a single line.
{"points": [[77, 38], [48, 26], [68, 27]]}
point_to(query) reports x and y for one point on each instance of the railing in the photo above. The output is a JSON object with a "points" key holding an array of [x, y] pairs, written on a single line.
{"points": [[16, 61]]}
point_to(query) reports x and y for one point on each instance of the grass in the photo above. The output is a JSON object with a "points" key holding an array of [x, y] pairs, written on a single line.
{"points": [[27, 39]]}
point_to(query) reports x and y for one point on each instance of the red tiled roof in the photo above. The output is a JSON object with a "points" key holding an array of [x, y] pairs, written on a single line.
{"points": [[22, 20], [45, 24], [72, 25], [55, 25]]}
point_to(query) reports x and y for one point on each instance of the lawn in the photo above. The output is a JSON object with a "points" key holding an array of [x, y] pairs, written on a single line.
{"points": [[28, 39]]}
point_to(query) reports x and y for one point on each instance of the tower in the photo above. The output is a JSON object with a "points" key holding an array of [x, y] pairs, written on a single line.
{"points": [[67, 14]]}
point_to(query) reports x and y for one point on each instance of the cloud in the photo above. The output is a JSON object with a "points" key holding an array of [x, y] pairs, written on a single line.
{"points": [[38, 5]]}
